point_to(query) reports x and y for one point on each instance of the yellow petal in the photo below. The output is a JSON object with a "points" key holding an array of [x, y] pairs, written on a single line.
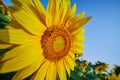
{"points": [[67, 68], [72, 55], [73, 10], [27, 57], [78, 35], [62, 11], [39, 5], [15, 52], [48, 20], [14, 25], [61, 70], [78, 24], [68, 5], [53, 10], [41, 12], [9, 27], [70, 62], [78, 32], [78, 45], [118, 77], [113, 76], [26, 5], [70, 13], [31, 24], [56, 16], [25, 72], [51, 7], [4, 46], [42, 71], [79, 39], [78, 17], [76, 50], [14, 36], [32, 7], [74, 19], [108, 76], [51, 72]]}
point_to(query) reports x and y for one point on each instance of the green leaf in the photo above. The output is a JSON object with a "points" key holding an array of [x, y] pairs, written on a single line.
{"points": [[4, 20]]}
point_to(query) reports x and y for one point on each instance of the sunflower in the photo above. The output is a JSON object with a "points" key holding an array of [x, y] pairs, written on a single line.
{"points": [[101, 67], [43, 42], [116, 69], [113, 76], [84, 65]]}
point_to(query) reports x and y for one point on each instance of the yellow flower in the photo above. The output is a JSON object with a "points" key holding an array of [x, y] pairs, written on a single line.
{"points": [[43, 42], [101, 68], [84, 65], [113, 76]]}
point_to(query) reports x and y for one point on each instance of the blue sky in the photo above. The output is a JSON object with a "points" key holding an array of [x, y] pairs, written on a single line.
{"points": [[102, 32]]}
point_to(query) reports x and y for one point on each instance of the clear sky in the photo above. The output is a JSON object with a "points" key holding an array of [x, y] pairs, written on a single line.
{"points": [[102, 32]]}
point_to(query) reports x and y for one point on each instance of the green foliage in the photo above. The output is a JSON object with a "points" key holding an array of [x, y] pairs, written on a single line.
{"points": [[89, 74], [4, 19]]}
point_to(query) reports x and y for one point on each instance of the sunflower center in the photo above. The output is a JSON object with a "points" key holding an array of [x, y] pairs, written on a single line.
{"points": [[55, 43], [59, 44]]}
